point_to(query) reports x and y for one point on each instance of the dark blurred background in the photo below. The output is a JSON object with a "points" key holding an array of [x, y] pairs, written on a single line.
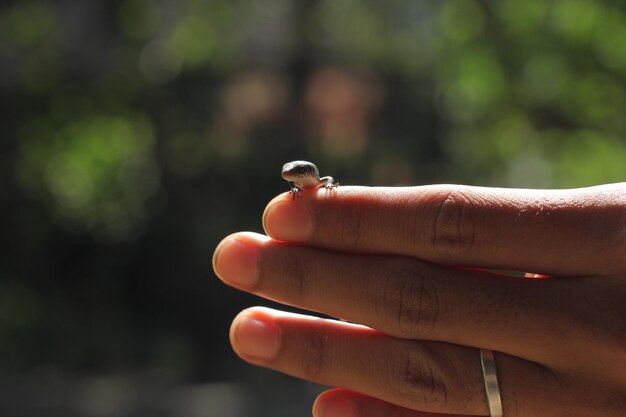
{"points": [[138, 133]]}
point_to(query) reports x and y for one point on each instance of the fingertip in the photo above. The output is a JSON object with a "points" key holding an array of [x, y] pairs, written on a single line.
{"points": [[333, 403], [340, 402], [279, 198], [255, 336], [288, 220], [235, 258]]}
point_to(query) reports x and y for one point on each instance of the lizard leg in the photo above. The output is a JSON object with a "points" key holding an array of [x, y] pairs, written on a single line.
{"points": [[328, 182], [295, 190]]}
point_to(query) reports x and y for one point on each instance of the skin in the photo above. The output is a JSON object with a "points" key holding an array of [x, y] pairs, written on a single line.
{"points": [[412, 270]]}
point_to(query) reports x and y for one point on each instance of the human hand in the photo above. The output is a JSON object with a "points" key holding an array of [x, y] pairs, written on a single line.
{"points": [[411, 265]]}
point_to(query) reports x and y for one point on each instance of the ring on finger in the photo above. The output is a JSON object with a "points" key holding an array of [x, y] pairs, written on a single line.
{"points": [[492, 388]]}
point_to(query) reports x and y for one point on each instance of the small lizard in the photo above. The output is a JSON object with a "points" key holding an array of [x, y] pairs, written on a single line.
{"points": [[303, 175]]}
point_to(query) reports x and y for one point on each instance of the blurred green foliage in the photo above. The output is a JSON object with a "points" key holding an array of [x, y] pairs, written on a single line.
{"points": [[98, 171], [138, 133]]}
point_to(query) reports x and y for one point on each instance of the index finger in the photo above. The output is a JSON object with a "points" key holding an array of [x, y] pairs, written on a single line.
{"points": [[557, 232]]}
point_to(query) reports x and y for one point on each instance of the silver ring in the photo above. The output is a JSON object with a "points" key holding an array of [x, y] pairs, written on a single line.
{"points": [[492, 389]]}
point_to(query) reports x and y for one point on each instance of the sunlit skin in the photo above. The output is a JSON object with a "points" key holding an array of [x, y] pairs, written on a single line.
{"points": [[409, 268]]}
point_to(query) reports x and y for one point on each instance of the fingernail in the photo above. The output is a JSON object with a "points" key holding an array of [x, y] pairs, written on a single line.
{"points": [[235, 262], [288, 221], [334, 407], [257, 337]]}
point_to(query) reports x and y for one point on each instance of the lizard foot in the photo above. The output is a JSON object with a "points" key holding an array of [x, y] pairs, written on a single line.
{"points": [[295, 191]]}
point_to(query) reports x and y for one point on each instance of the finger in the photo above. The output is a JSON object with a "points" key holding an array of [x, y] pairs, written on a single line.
{"points": [[345, 403], [541, 231], [426, 376], [408, 298]]}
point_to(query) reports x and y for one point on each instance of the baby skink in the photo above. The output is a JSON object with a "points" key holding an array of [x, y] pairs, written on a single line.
{"points": [[302, 175]]}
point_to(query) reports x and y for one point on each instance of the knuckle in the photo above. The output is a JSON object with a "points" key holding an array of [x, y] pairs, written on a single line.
{"points": [[426, 375], [297, 289], [314, 355], [410, 299], [454, 231], [299, 272], [416, 379]]}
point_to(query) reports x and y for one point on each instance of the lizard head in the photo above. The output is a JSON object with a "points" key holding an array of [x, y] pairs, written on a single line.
{"points": [[297, 170]]}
